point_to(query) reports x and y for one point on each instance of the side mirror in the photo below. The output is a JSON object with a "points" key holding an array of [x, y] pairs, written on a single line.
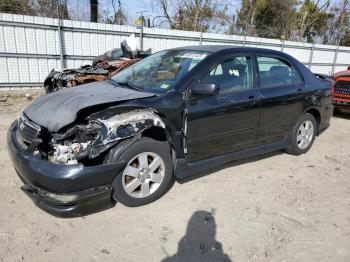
{"points": [[348, 67], [204, 89]]}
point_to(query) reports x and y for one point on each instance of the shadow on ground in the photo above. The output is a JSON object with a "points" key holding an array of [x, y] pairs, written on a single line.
{"points": [[199, 243], [344, 114], [231, 164]]}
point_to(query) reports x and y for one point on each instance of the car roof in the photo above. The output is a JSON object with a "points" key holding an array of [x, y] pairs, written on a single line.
{"points": [[217, 48]]}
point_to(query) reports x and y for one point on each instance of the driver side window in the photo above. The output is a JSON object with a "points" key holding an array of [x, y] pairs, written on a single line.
{"points": [[232, 75]]}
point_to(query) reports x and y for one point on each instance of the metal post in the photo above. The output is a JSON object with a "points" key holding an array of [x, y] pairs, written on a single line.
{"points": [[282, 45], [61, 43], [335, 59], [141, 28], [200, 38], [311, 55], [60, 37], [141, 37]]}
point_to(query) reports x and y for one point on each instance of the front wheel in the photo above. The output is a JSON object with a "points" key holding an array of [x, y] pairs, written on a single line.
{"points": [[303, 135], [147, 175]]}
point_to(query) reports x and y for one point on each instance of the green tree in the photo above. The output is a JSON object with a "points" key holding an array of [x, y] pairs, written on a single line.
{"points": [[22, 7], [266, 18], [338, 25], [311, 20], [191, 15], [119, 14], [120, 17], [50, 8], [345, 40]]}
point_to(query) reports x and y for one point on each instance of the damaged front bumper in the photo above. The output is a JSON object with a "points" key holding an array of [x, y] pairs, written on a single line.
{"points": [[62, 190], [72, 204]]}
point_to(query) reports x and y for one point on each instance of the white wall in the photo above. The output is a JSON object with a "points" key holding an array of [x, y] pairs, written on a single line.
{"points": [[30, 46]]}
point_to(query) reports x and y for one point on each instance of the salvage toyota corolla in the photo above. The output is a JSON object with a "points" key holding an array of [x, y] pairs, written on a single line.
{"points": [[174, 114]]}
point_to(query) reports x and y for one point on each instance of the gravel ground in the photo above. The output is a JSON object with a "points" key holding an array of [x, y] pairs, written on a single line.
{"points": [[275, 207]]}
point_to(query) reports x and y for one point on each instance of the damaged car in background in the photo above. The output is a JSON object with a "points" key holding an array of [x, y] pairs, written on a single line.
{"points": [[341, 90], [103, 67], [174, 114]]}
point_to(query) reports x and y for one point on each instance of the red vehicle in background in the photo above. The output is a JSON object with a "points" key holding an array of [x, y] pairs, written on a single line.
{"points": [[341, 89]]}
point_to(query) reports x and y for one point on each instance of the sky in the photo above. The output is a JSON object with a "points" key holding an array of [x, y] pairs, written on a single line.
{"points": [[80, 9]]}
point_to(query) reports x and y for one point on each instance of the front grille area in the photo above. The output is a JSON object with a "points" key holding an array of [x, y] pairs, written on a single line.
{"points": [[28, 130], [342, 87]]}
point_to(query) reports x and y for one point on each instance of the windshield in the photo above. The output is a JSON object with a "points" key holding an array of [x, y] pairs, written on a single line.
{"points": [[161, 71]]}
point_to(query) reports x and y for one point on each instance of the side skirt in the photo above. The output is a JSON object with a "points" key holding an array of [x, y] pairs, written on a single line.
{"points": [[184, 169]]}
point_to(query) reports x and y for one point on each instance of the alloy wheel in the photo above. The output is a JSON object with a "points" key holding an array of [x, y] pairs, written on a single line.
{"points": [[305, 134], [143, 174]]}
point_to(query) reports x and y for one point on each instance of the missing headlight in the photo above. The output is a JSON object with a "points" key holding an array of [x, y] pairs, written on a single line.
{"points": [[73, 145], [69, 154]]}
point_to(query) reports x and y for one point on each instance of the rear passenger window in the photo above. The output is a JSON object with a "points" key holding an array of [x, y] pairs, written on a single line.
{"points": [[274, 72], [232, 75]]}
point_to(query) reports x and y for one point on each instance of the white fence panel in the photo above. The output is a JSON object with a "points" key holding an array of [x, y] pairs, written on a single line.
{"points": [[30, 46]]}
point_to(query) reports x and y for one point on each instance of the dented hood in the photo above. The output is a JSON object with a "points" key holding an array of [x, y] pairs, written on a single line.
{"points": [[59, 109]]}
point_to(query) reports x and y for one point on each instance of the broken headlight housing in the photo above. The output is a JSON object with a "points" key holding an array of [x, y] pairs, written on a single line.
{"points": [[73, 145]]}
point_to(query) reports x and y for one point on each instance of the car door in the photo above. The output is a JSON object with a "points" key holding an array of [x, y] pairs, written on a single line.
{"points": [[225, 122], [282, 88]]}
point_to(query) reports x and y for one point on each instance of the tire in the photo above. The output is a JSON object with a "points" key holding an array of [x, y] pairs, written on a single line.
{"points": [[159, 182], [298, 147]]}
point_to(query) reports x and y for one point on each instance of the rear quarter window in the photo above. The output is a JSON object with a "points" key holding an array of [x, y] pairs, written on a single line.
{"points": [[276, 72]]}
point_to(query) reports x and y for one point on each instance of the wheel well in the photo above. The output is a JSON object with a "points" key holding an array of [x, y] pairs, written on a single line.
{"points": [[316, 114], [156, 132]]}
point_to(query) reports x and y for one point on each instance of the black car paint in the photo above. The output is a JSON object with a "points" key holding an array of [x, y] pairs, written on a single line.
{"points": [[66, 104], [243, 121]]}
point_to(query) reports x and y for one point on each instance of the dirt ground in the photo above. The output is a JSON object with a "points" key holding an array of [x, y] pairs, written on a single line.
{"points": [[276, 207]]}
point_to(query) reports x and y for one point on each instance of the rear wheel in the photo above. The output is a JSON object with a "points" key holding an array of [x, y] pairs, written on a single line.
{"points": [[147, 175], [303, 135]]}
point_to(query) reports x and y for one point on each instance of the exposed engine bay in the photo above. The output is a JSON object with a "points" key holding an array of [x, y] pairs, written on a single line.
{"points": [[73, 145], [68, 154], [103, 67], [82, 143]]}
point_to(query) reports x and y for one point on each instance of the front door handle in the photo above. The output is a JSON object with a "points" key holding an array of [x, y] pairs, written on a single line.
{"points": [[251, 97]]}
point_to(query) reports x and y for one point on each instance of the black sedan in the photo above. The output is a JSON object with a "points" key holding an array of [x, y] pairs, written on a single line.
{"points": [[172, 115]]}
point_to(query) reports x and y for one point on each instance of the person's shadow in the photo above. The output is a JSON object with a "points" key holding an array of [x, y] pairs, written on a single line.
{"points": [[199, 243]]}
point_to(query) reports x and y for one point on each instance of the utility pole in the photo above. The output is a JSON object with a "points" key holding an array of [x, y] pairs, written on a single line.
{"points": [[141, 25], [93, 11]]}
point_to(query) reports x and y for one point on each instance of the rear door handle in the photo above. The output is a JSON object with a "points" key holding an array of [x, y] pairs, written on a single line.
{"points": [[299, 90], [252, 100]]}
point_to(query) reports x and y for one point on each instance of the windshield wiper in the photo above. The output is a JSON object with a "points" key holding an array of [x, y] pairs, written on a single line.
{"points": [[127, 84]]}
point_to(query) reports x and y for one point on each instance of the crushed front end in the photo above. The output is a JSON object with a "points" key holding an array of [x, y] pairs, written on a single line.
{"points": [[65, 173]]}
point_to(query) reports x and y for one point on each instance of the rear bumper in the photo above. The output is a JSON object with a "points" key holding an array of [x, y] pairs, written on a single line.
{"points": [[62, 190]]}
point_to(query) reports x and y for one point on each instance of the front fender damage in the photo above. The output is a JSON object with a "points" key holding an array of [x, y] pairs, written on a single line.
{"points": [[121, 126], [103, 131]]}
